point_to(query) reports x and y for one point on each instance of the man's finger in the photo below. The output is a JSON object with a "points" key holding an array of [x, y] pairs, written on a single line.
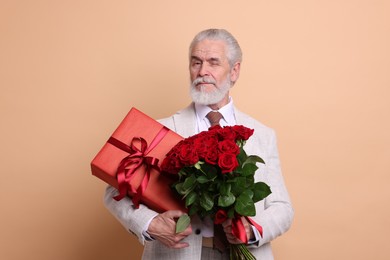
{"points": [[173, 213]]}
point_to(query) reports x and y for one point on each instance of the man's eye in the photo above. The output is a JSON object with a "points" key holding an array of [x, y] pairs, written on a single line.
{"points": [[215, 62]]}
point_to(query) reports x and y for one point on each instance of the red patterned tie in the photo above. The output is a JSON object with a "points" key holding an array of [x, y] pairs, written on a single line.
{"points": [[214, 117]]}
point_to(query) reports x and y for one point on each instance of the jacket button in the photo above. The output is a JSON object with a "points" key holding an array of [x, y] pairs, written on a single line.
{"points": [[197, 231]]}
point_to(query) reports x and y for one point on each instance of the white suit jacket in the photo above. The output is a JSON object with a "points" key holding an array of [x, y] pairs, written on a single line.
{"points": [[274, 214]]}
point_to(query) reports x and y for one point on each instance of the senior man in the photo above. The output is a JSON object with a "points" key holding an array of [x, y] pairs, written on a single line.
{"points": [[214, 64]]}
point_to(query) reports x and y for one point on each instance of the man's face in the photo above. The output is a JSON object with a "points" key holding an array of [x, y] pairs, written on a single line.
{"points": [[210, 72]]}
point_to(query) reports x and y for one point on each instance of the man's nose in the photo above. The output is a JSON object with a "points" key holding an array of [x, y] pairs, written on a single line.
{"points": [[203, 71]]}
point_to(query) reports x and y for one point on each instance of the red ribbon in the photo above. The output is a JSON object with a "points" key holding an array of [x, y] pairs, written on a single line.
{"points": [[137, 157], [238, 228]]}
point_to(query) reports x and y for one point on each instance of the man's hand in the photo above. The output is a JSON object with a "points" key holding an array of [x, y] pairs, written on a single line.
{"points": [[227, 227], [163, 228]]}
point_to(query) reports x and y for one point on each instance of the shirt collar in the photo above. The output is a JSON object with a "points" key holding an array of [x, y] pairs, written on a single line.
{"points": [[227, 112]]}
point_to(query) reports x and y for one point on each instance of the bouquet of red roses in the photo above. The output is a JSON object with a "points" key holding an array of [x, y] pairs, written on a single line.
{"points": [[216, 178]]}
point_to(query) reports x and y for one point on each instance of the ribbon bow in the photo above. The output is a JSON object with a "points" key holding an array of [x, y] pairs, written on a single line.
{"points": [[136, 158]]}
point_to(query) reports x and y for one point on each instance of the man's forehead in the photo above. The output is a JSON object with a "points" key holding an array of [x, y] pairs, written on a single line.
{"points": [[209, 48]]}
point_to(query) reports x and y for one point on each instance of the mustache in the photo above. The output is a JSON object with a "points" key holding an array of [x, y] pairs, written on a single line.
{"points": [[203, 80]]}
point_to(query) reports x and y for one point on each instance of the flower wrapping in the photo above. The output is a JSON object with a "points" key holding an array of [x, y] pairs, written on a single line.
{"points": [[130, 161]]}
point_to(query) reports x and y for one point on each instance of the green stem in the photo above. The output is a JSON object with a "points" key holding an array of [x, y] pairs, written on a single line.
{"points": [[241, 252]]}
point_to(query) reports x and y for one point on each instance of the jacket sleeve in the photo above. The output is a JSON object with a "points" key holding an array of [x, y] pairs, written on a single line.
{"points": [[133, 220], [275, 213]]}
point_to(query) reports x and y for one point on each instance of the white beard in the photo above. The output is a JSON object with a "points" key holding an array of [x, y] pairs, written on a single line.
{"points": [[212, 97]]}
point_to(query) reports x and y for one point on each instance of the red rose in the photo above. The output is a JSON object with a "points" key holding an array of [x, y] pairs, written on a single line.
{"points": [[174, 149], [211, 156], [204, 143], [171, 164], [213, 133], [215, 128], [211, 143], [187, 154], [220, 217], [227, 133], [243, 133], [227, 162], [228, 146], [200, 147]]}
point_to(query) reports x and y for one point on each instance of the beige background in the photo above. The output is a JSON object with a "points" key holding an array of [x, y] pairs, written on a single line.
{"points": [[315, 71]]}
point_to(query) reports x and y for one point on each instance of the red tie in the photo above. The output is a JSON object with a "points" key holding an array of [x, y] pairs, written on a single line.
{"points": [[214, 117]]}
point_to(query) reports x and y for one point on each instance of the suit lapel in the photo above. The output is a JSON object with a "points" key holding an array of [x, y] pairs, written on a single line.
{"points": [[240, 118], [185, 121]]}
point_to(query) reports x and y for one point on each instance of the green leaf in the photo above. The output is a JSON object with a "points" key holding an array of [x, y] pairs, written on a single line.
{"points": [[249, 169], [244, 205], [241, 156], [231, 180], [206, 201], [182, 173], [242, 151], [182, 223], [248, 193], [202, 179], [239, 186], [253, 159], [189, 182], [226, 200], [179, 188], [261, 190], [193, 209], [225, 188], [191, 198]]}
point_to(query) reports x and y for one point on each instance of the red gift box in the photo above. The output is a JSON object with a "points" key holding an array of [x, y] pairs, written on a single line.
{"points": [[130, 158]]}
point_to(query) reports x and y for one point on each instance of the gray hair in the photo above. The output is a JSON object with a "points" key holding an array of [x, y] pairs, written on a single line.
{"points": [[234, 53]]}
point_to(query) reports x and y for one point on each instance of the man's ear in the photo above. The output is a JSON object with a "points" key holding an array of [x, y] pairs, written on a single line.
{"points": [[235, 72]]}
